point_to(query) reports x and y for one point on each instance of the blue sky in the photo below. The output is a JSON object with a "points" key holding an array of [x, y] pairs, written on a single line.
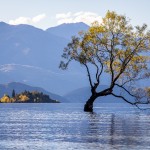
{"points": [[47, 13]]}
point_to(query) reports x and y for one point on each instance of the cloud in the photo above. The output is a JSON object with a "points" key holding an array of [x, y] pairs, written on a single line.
{"points": [[6, 68], [38, 18], [28, 20], [20, 20], [86, 17], [11, 67]]}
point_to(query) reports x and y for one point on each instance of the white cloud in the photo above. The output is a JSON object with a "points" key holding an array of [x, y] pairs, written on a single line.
{"points": [[86, 17], [20, 20], [6, 68], [11, 67], [38, 18], [27, 20], [65, 20]]}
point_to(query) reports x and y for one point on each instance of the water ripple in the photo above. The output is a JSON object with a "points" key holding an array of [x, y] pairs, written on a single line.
{"points": [[67, 127]]}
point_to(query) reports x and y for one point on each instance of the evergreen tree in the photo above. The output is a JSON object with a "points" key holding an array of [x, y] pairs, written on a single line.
{"points": [[13, 93]]}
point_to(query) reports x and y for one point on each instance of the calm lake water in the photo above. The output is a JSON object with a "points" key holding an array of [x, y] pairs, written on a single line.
{"points": [[67, 127]]}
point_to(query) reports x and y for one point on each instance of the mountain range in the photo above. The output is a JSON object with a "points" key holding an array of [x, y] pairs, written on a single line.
{"points": [[68, 30], [20, 87], [32, 56], [80, 95]]}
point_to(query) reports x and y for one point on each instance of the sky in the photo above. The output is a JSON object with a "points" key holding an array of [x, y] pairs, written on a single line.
{"points": [[48, 13]]}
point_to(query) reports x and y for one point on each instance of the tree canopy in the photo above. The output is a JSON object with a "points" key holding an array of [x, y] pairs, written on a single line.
{"points": [[114, 47]]}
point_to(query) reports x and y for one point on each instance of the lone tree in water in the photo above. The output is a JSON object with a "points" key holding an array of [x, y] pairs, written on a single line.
{"points": [[116, 48]]}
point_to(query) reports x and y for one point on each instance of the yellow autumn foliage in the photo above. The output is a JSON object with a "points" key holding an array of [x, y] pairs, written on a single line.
{"points": [[6, 99], [113, 46], [23, 98]]}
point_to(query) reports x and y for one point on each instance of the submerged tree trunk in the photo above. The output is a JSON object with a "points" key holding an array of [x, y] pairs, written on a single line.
{"points": [[88, 107]]}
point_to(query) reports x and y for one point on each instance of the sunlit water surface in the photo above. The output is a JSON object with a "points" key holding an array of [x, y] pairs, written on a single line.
{"points": [[67, 127]]}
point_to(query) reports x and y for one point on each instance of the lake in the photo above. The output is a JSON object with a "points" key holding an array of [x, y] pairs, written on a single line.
{"points": [[67, 127]]}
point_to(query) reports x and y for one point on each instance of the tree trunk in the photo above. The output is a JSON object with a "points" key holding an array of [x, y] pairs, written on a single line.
{"points": [[88, 107]]}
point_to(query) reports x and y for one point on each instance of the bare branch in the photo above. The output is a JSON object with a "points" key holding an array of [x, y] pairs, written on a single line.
{"points": [[119, 96], [89, 75], [132, 103], [125, 90]]}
